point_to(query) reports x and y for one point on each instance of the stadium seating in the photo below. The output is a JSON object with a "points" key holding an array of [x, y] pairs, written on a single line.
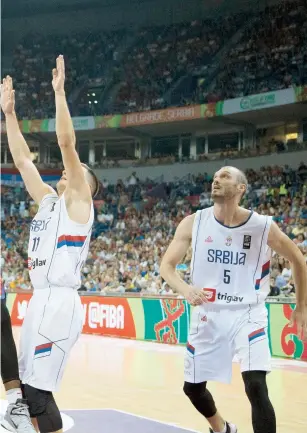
{"points": [[162, 66], [132, 230]]}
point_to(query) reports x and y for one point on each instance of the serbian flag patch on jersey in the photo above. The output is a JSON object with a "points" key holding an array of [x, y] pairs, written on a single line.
{"points": [[256, 334], [191, 348], [43, 350], [71, 241], [264, 273]]}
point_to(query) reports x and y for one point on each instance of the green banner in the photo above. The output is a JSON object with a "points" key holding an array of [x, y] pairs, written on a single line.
{"points": [[166, 320], [284, 338], [108, 121], [301, 94]]}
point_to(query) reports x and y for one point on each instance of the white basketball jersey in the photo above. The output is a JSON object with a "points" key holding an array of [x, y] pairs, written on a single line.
{"points": [[58, 246], [231, 263]]}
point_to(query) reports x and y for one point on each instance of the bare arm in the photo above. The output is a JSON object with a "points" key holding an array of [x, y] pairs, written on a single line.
{"points": [[280, 243], [174, 254], [78, 193], [19, 148]]}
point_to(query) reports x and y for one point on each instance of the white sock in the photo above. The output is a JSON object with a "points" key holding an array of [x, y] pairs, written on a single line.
{"points": [[223, 431], [13, 395]]}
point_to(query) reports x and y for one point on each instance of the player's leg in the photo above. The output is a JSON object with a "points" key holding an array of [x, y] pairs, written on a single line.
{"points": [[44, 408], [17, 417], [52, 339], [208, 357], [203, 401], [252, 348], [263, 414]]}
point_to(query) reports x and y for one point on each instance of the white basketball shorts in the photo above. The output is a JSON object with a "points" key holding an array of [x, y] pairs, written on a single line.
{"points": [[218, 334], [51, 327]]}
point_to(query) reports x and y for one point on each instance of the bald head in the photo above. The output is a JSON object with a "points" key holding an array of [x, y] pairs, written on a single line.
{"points": [[229, 182], [241, 178]]}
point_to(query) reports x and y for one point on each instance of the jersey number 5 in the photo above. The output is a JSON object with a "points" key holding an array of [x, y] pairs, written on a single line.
{"points": [[226, 276], [35, 244]]}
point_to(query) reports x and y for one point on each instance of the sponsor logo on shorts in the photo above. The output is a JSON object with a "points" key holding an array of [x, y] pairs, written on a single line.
{"points": [[35, 263], [188, 364]]}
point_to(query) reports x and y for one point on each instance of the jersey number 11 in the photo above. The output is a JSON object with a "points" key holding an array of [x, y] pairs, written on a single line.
{"points": [[35, 244]]}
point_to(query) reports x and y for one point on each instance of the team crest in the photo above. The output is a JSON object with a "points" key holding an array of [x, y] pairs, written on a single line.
{"points": [[228, 241]]}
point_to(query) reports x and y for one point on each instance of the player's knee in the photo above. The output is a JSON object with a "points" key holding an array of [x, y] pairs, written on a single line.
{"points": [[201, 398], [194, 390], [255, 386], [43, 407]]}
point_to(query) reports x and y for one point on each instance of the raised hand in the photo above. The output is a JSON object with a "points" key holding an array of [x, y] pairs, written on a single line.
{"points": [[58, 75], [7, 96]]}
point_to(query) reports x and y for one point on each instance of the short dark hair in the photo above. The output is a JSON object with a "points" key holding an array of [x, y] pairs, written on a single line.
{"points": [[243, 180], [95, 180]]}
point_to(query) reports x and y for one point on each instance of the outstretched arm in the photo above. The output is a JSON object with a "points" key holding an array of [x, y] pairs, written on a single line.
{"points": [[77, 186], [280, 243], [18, 146]]}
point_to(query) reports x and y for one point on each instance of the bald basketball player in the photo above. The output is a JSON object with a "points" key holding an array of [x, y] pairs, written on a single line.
{"points": [[58, 246], [229, 284]]}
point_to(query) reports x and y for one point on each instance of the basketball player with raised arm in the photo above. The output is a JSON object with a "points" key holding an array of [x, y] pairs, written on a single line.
{"points": [[58, 246], [229, 284]]}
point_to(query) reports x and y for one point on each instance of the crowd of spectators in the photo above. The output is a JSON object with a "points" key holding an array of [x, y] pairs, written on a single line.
{"points": [[86, 55], [164, 55], [135, 221], [271, 54]]}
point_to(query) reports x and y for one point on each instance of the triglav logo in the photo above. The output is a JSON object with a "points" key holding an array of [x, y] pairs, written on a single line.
{"points": [[35, 263], [210, 294], [209, 239]]}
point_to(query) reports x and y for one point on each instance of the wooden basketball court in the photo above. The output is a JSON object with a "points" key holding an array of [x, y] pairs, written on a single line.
{"points": [[117, 376]]}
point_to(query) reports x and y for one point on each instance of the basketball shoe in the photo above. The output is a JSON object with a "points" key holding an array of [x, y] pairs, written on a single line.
{"points": [[17, 418], [230, 428]]}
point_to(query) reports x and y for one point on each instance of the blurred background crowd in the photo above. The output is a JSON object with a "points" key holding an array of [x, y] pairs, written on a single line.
{"points": [[200, 61], [130, 68], [135, 222]]}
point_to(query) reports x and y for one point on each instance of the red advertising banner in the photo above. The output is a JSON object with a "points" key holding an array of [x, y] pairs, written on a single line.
{"points": [[162, 116], [19, 308], [108, 316], [102, 315]]}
